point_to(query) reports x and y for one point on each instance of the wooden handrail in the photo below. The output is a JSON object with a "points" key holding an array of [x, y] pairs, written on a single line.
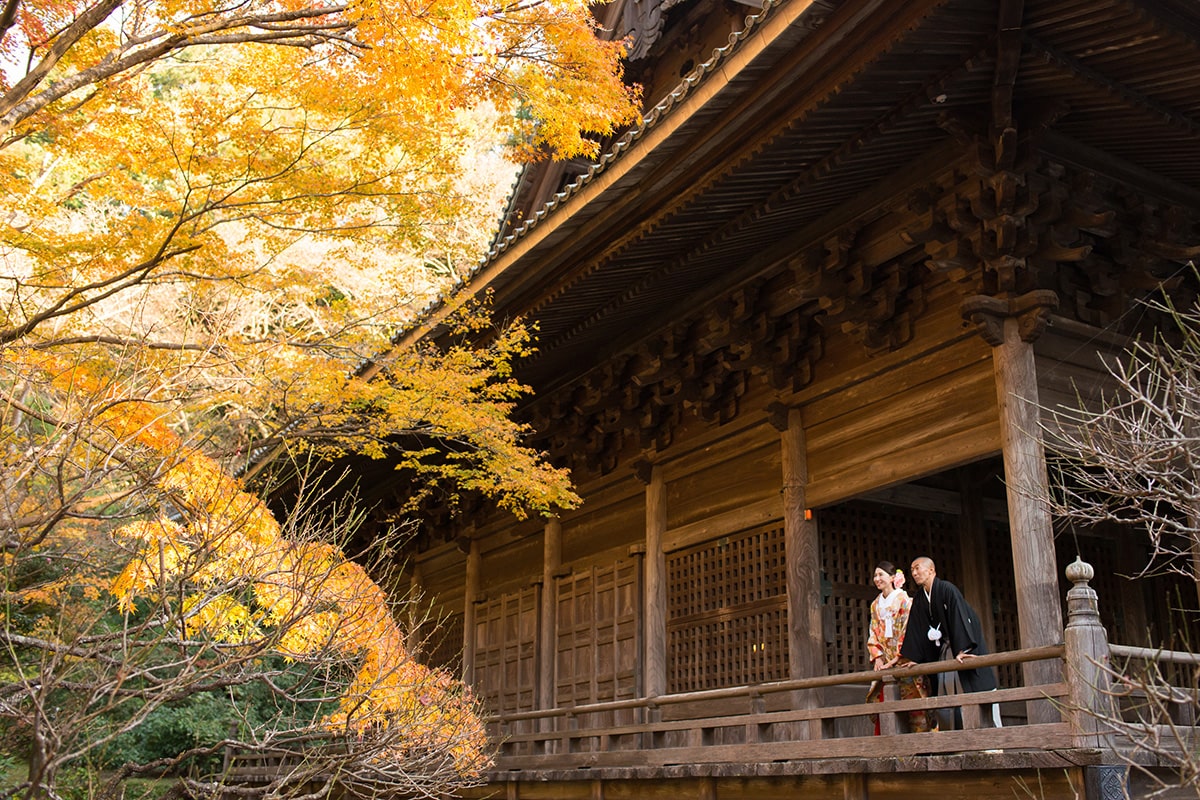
{"points": [[867, 677], [1049, 691], [1151, 654]]}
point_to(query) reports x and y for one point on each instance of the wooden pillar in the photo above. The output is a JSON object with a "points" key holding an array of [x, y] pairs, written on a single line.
{"points": [[547, 646], [1086, 657], [655, 600], [474, 564], [1039, 614], [806, 643], [806, 636], [976, 581]]}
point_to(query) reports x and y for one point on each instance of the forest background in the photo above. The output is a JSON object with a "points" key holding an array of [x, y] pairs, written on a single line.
{"points": [[214, 213]]}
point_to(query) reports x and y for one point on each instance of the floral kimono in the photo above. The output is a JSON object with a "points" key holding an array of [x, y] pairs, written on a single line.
{"points": [[889, 618]]}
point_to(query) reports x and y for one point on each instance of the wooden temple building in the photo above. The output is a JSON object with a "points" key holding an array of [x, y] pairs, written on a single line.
{"points": [[808, 315]]}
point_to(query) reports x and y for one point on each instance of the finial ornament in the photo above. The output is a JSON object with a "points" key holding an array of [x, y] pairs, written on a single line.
{"points": [[1079, 572]]}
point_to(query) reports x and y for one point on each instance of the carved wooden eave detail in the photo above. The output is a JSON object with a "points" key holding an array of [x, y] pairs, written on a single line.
{"points": [[643, 23], [702, 367], [1031, 310], [1139, 248], [876, 303]]}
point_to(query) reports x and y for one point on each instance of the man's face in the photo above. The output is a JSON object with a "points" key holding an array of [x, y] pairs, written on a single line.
{"points": [[922, 573]]}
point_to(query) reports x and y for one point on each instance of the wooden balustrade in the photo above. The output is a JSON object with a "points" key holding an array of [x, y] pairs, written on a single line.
{"points": [[744, 724], [754, 734], [771, 722]]}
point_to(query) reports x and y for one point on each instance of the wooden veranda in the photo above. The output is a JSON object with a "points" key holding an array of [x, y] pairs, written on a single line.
{"points": [[1104, 740]]}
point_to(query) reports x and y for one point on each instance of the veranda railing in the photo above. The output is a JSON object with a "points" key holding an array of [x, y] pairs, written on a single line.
{"points": [[744, 724], [1094, 714]]}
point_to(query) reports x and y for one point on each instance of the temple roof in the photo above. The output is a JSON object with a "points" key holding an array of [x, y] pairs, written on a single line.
{"points": [[815, 112]]}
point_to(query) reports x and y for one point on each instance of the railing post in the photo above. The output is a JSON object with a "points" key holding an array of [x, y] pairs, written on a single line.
{"points": [[653, 714], [1086, 660], [888, 723], [754, 729]]}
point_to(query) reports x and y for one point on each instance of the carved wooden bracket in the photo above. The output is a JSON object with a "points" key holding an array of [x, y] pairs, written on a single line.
{"points": [[777, 415], [1032, 310]]}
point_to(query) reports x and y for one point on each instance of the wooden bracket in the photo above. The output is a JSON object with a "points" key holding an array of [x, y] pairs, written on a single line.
{"points": [[1032, 309]]}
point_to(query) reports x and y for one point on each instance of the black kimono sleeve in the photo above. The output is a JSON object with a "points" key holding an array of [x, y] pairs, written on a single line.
{"points": [[958, 620]]}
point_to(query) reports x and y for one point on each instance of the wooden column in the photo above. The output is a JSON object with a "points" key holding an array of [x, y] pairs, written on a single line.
{"points": [[547, 646], [474, 564], [806, 637], [1039, 614], [655, 600]]}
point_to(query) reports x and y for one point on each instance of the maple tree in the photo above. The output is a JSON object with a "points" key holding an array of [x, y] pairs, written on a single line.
{"points": [[214, 215]]}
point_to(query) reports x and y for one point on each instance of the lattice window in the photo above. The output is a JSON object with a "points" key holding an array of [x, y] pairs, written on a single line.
{"points": [[857, 535], [1003, 584], [727, 612], [597, 634], [506, 635]]}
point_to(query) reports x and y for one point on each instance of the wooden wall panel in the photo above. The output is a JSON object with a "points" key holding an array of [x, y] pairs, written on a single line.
{"points": [[893, 428], [508, 564], [597, 637], [506, 637], [749, 470], [1070, 369], [443, 576], [599, 532]]}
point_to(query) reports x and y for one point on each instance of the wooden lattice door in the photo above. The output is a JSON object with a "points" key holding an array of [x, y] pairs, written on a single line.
{"points": [[1006, 629], [506, 636], [597, 638], [727, 612]]}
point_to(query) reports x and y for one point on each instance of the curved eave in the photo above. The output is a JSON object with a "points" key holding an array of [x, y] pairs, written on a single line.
{"points": [[708, 91], [807, 111]]}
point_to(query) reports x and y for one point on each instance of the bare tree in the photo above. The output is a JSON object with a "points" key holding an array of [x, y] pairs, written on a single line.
{"points": [[1130, 459], [1133, 457]]}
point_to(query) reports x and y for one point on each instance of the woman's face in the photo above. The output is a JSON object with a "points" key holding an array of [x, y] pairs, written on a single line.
{"points": [[882, 580]]}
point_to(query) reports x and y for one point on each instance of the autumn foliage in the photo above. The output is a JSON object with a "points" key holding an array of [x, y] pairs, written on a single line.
{"points": [[214, 215]]}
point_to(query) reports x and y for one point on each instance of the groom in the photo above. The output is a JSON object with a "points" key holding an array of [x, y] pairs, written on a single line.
{"points": [[941, 615]]}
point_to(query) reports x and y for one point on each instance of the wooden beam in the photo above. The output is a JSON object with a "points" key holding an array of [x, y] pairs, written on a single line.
{"points": [[739, 519], [928, 498]]}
